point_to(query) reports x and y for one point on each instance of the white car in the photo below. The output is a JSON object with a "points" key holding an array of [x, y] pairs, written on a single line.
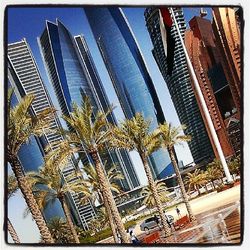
{"points": [[151, 222]]}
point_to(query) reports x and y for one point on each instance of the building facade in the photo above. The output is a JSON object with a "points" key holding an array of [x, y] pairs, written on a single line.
{"points": [[72, 74], [179, 84], [206, 60], [128, 72]]}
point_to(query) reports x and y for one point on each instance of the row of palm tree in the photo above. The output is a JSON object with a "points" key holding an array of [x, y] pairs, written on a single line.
{"points": [[214, 171], [91, 134]]}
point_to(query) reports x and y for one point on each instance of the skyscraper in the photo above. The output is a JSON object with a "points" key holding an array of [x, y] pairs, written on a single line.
{"points": [[71, 71], [227, 28], [128, 72], [206, 60], [103, 104], [24, 77], [179, 84]]}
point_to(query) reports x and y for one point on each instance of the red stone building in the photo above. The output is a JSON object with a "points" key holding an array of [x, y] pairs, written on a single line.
{"points": [[226, 28], [209, 66]]}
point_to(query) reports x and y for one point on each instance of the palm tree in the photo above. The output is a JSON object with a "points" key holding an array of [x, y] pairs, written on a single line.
{"points": [[195, 180], [134, 134], [99, 222], [21, 124], [12, 188], [49, 185], [59, 230], [234, 165], [217, 164], [113, 175], [149, 200], [91, 135], [170, 137], [212, 174]]}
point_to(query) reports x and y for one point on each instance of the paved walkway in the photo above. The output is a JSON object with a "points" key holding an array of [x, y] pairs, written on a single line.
{"points": [[204, 203], [220, 225], [203, 206]]}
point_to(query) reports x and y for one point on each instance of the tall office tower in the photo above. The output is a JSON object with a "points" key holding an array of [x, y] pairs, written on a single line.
{"points": [[103, 104], [226, 28], [24, 77], [129, 74], [206, 60], [179, 84], [72, 72]]}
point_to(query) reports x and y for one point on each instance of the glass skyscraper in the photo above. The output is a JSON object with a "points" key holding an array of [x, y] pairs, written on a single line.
{"points": [[27, 80], [104, 105], [128, 73], [72, 72], [179, 84]]}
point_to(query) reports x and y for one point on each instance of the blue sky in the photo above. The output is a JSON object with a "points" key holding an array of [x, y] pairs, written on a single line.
{"points": [[29, 23]]}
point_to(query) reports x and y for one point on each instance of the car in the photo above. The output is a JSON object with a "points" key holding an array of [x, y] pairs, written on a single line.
{"points": [[148, 224], [151, 222]]}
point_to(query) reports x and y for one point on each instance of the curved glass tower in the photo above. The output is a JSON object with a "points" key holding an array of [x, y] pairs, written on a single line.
{"points": [[72, 73], [128, 72]]}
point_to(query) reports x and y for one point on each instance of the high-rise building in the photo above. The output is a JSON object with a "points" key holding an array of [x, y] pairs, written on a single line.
{"points": [[227, 27], [179, 84], [206, 60], [72, 73], [24, 77], [128, 72], [104, 104]]}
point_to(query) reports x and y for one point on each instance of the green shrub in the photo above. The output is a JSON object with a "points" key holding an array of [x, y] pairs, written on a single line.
{"points": [[103, 234], [129, 224], [97, 237]]}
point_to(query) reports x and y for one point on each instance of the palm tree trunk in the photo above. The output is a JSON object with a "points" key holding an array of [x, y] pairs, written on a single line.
{"points": [[107, 194], [30, 199], [158, 203], [12, 232], [68, 218], [182, 187], [111, 221]]}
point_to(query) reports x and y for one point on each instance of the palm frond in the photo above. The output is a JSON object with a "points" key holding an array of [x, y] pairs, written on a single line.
{"points": [[149, 199], [12, 185], [171, 135], [22, 123], [134, 134]]}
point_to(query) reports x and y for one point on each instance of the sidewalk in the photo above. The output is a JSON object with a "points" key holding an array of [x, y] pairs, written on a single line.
{"points": [[204, 204], [200, 207]]}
